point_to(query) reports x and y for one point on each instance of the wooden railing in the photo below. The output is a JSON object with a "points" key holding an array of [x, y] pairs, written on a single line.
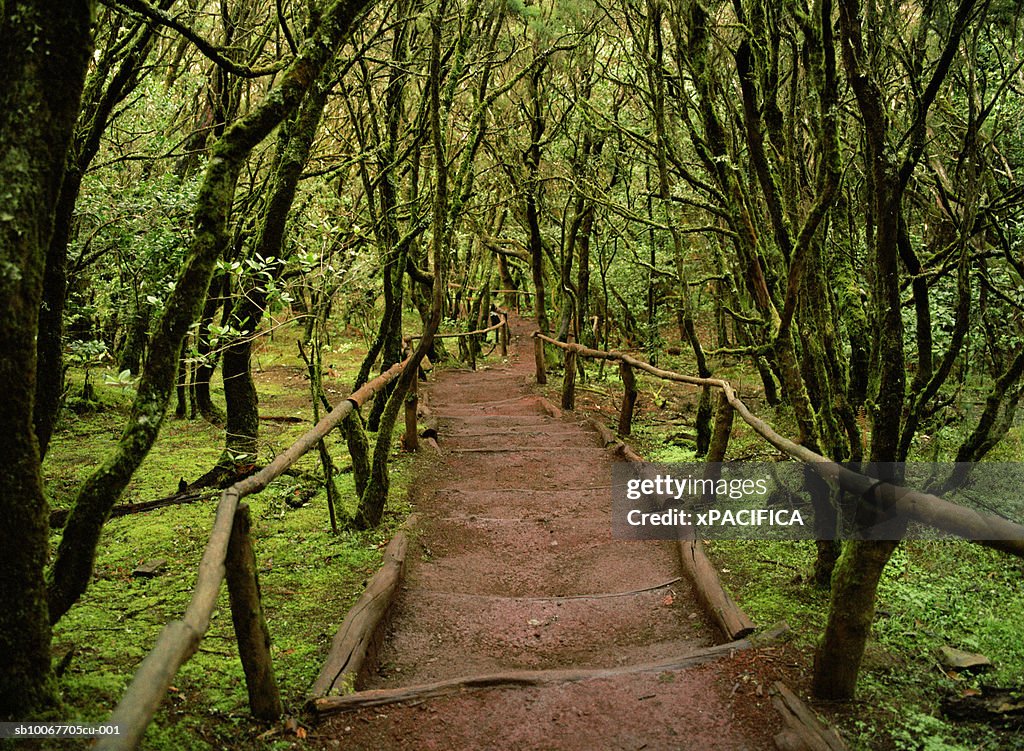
{"points": [[501, 327], [229, 554], [985, 529], [512, 296], [179, 640]]}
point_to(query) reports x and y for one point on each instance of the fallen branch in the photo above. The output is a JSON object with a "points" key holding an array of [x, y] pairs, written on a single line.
{"points": [[59, 517], [527, 678]]}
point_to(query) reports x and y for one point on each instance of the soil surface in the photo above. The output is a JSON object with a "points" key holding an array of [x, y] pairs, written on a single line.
{"points": [[512, 566]]}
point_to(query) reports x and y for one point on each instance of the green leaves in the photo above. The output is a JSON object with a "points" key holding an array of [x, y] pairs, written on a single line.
{"points": [[87, 353], [124, 379]]}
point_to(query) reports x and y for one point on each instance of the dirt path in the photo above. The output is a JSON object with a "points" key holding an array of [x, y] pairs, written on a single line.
{"points": [[513, 568]]}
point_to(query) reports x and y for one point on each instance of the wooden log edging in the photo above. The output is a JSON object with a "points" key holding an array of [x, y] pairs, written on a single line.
{"points": [[356, 634], [701, 573], [527, 678], [983, 529], [728, 616], [179, 640], [550, 408], [802, 730], [610, 441]]}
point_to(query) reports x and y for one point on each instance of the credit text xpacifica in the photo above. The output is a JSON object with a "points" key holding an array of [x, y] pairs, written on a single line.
{"points": [[761, 517]]}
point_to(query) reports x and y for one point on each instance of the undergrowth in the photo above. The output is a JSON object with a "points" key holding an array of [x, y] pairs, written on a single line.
{"points": [[308, 577], [934, 593]]}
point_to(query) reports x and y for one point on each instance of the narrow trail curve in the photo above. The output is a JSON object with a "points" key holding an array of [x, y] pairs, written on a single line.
{"points": [[513, 567]]}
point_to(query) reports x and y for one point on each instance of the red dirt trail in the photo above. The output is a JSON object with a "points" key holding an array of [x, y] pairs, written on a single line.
{"points": [[512, 567]]}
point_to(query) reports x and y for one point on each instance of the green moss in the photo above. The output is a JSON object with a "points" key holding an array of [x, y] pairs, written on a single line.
{"points": [[308, 577], [932, 594]]}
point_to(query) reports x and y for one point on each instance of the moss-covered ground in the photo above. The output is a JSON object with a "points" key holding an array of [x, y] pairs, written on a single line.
{"points": [[933, 593], [308, 576]]}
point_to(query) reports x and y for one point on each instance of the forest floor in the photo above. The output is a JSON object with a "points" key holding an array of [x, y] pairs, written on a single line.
{"points": [[933, 593], [513, 567]]}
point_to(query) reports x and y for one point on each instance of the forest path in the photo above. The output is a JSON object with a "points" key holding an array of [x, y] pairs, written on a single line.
{"points": [[512, 567]]}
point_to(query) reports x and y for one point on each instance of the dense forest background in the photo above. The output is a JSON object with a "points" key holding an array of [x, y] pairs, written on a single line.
{"points": [[827, 192]]}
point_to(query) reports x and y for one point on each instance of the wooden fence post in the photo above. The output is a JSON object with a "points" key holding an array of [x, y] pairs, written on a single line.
{"points": [[250, 625], [538, 356], [503, 335], [569, 379], [723, 428], [411, 438], [628, 398]]}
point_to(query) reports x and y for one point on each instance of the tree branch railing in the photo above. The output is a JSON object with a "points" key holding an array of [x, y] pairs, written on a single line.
{"points": [[503, 323], [501, 327], [230, 547], [988, 530], [509, 293], [180, 639]]}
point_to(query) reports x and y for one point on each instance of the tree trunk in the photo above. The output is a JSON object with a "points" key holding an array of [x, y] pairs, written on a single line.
{"points": [[374, 497], [685, 310], [206, 361], [72, 567], [130, 356], [851, 613], [860, 566], [295, 140], [104, 89], [240, 447], [181, 387], [532, 159], [43, 61]]}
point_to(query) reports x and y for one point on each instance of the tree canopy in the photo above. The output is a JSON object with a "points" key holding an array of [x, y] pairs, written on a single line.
{"points": [[827, 191]]}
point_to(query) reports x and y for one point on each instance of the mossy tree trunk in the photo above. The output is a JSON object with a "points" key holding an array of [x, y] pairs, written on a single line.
{"points": [[451, 193], [851, 613], [134, 348], [532, 157], [114, 76], [385, 187], [295, 141], [205, 363], [374, 496], [781, 263], [684, 311], [43, 59], [860, 567]]}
